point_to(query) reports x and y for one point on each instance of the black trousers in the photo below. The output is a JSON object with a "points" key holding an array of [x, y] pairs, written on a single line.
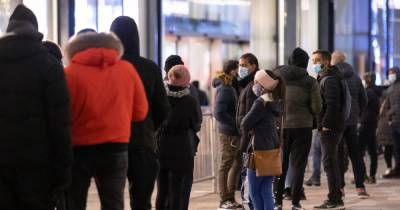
{"points": [[388, 155], [187, 189], [330, 143], [109, 171], [142, 174], [26, 188], [170, 187], [350, 138], [296, 146], [368, 143], [396, 147]]}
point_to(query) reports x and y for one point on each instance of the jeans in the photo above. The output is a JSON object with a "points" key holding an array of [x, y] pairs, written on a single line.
{"points": [[316, 155], [350, 138], [170, 190], [330, 141], [109, 171], [229, 167], [368, 142], [260, 191], [27, 187], [142, 174], [244, 190], [296, 145]]}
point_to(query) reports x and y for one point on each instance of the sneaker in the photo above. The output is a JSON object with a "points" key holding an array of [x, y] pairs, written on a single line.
{"points": [[287, 194], [297, 207], [331, 205], [237, 205], [362, 193], [393, 174], [313, 181], [371, 180], [278, 207], [226, 205]]}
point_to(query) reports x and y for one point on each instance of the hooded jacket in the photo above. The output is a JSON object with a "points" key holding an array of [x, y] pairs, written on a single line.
{"points": [[225, 105], [357, 92], [107, 94], [34, 105], [331, 115], [303, 98], [143, 132]]}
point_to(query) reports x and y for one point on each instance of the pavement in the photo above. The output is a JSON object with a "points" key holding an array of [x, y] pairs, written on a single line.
{"points": [[385, 195]]}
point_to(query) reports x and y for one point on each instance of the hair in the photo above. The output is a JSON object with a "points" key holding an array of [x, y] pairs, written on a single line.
{"points": [[230, 65], [252, 59], [338, 57], [370, 78], [326, 55], [196, 83]]}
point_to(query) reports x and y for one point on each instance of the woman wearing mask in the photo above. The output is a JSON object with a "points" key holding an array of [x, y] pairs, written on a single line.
{"points": [[260, 123], [174, 136]]}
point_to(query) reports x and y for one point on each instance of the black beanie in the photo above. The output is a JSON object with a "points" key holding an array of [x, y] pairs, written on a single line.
{"points": [[22, 13], [172, 61], [299, 58]]}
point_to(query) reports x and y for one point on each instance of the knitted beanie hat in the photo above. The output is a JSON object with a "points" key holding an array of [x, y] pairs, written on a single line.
{"points": [[179, 76], [265, 80]]}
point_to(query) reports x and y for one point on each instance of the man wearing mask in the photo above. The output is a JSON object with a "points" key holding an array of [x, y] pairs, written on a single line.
{"points": [[350, 137], [330, 124], [393, 101], [303, 105], [248, 66]]}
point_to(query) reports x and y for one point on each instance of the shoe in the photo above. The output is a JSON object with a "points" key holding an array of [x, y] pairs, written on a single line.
{"points": [[393, 174], [371, 180], [297, 207], [226, 205], [237, 205], [362, 193], [287, 194], [313, 181], [331, 205], [278, 207], [388, 170]]}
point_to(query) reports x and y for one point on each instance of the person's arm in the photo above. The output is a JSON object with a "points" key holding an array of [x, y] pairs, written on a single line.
{"points": [[161, 106], [252, 118], [223, 98], [140, 103], [332, 95], [316, 101]]}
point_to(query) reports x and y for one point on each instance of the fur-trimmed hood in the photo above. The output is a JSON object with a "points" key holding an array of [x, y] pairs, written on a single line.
{"points": [[95, 42]]}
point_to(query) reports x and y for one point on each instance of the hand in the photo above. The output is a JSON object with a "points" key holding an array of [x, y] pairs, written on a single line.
{"points": [[326, 129]]}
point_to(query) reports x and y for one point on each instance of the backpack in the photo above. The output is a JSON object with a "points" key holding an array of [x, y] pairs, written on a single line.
{"points": [[346, 96]]}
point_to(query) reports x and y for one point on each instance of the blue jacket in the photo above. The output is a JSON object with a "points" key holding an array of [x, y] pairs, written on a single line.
{"points": [[261, 124]]}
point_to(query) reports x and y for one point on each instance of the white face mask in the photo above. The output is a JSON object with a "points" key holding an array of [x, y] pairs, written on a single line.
{"points": [[392, 78], [243, 72]]}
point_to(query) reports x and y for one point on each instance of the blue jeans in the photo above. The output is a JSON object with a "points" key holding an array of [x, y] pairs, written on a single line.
{"points": [[260, 191], [316, 155]]}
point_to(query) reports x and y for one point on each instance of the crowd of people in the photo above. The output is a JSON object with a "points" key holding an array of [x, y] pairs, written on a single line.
{"points": [[110, 116]]}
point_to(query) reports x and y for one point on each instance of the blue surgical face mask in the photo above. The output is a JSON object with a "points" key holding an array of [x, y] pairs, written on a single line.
{"points": [[258, 90], [317, 68], [392, 78], [243, 72]]}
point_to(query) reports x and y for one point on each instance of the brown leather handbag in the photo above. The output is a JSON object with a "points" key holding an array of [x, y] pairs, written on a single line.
{"points": [[267, 162]]}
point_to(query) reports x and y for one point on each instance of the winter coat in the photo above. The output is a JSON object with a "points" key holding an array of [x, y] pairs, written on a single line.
{"points": [[34, 105], [175, 136], [225, 108], [143, 133], [357, 92], [384, 130], [246, 100], [107, 94], [393, 101], [331, 116], [371, 113], [260, 123], [303, 98]]}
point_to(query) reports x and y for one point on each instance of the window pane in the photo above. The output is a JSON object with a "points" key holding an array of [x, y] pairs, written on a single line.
{"points": [[85, 14], [108, 10], [6, 8]]}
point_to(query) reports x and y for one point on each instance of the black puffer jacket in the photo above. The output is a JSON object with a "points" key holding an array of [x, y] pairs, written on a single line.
{"points": [[142, 136], [371, 112], [176, 134], [34, 105], [331, 116], [260, 123], [357, 92]]}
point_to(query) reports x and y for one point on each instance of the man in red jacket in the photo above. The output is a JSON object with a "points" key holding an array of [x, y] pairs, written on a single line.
{"points": [[107, 95]]}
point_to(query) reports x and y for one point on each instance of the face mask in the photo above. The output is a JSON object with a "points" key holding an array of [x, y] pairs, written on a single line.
{"points": [[243, 72], [258, 90], [392, 78], [317, 68]]}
